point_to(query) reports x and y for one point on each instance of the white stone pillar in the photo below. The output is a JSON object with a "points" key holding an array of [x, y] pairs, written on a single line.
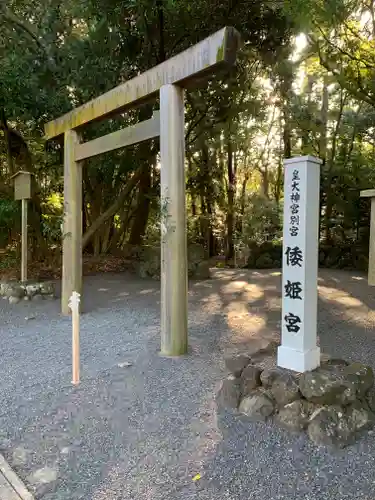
{"points": [[299, 350], [370, 193], [174, 331]]}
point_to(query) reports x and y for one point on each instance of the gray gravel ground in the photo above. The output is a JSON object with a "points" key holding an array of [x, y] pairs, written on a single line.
{"points": [[142, 432]]}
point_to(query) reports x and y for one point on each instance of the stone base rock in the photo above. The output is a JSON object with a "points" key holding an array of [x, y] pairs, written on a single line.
{"points": [[235, 364], [285, 389], [295, 416], [333, 403], [200, 270], [257, 405], [229, 393], [250, 379], [328, 426], [147, 262], [332, 384], [269, 375], [15, 291], [337, 426]]}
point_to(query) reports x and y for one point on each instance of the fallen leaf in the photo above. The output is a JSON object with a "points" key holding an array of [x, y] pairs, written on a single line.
{"points": [[197, 477], [125, 364]]}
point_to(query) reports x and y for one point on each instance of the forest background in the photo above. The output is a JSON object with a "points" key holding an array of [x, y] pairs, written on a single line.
{"points": [[304, 85]]}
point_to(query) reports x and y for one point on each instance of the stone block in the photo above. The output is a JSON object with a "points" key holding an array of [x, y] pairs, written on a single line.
{"points": [[47, 288], [269, 375], [257, 405], [229, 393], [333, 403], [327, 361], [202, 270], [14, 290], [37, 298], [295, 416], [250, 379], [330, 426], [32, 289], [362, 374], [360, 416], [330, 385], [195, 253], [14, 300], [337, 426], [285, 389], [370, 399], [236, 363]]}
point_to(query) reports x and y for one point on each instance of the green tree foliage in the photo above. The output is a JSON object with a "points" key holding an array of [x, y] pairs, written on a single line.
{"points": [[282, 99]]}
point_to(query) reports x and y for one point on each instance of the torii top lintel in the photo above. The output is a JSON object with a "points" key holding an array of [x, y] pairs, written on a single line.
{"points": [[215, 52]]}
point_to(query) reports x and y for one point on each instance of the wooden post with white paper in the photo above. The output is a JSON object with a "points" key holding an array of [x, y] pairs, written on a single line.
{"points": [[74, 306]]}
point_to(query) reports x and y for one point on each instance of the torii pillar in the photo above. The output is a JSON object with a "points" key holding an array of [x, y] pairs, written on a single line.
{"points": [[167, 80]]}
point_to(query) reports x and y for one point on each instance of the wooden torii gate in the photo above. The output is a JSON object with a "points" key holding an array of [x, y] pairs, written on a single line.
{"points": [[169, 79]]}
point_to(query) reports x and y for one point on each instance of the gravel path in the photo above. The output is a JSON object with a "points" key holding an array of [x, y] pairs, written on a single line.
{"points": [[142, 432]]}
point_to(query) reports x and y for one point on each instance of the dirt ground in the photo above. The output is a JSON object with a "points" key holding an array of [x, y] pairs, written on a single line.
{"points": [[144, 431]]}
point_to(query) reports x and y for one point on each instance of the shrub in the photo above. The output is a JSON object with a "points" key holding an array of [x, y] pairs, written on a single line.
{"points": [[264, 262], [267, 255], [346, 255]]}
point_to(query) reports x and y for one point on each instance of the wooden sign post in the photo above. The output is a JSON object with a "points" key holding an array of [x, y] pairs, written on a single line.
{"points": [[299, 350], [74, 306], [24, 240], [191, 68], [23, 192]]}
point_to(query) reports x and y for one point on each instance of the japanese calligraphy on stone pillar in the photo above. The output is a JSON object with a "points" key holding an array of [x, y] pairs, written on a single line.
{"points": [[293, 252], [300, 250], [294, 200]]}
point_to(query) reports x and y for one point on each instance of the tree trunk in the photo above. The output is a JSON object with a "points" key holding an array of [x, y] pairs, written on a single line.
{"points": [[242, 202], [279, 181], [210, 239], [305, 141], [148, 159], [204, 223], [190, 187], [243, 195], [161, 52], [142, 210], [328, 163], [265, 182], [287, 135], [323, 121], [285, 89], [119, 233], [4, 126], [111, 211], [96, 244]]}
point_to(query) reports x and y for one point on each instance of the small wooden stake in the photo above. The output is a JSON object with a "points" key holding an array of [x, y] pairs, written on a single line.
{"points": [[74, 306], [24, 242]]}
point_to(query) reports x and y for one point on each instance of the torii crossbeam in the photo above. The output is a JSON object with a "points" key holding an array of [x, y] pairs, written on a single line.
{"points": [[169, 79]]}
